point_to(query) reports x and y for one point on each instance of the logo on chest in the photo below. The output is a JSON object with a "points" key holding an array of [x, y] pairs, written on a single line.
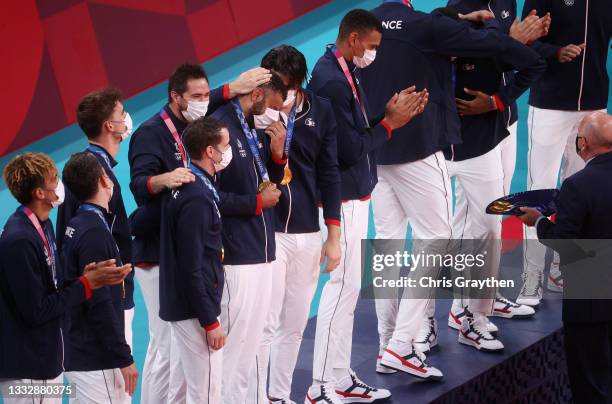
{"points": [[310, 122], [175, 193], [569, 3], [177, 154], [468, 67], [505, 14], [241, 150]]}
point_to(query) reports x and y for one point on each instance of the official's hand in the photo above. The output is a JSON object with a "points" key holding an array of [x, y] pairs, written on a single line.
{"points": [[404, 106], [479, 105], [570, 52], [248, 81], [270, 196], [477, 16], [278, 134], [530, 216], [177, 177], [107, 275], [332, 251], [215, 338], [130, 377]]}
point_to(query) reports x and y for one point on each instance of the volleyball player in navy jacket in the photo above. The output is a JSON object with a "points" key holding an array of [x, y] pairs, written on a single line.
{"points": [[575, 83], [103, 119], [98, 358], [191, 274], [34, 298], [158, 163], [247, 192]]}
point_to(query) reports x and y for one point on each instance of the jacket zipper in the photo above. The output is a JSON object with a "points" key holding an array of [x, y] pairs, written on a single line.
{"points": [[584, 51], [288, 214], [62, 338], [263, 219]]}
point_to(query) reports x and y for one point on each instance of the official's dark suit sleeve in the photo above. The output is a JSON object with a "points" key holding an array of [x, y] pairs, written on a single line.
{"points": [[34, 304], [571, 213], [218, 97], [144, 163], [328, 174], [95, 246], [548, 51], [457, 39], [65, 212], [528, 63], [354, 143], [195, 214]]}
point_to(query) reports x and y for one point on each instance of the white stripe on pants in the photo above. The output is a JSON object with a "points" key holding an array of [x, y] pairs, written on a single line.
{"points": [[99, 387], [334, 333], [419, 193], [244, 308], [479, 181], [294, 281], [156, 370], [197, 379], [38, 399], [508, 155], [552, 146]]}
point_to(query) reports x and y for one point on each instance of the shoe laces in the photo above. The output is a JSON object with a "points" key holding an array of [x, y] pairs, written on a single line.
{"points": [[531, 285], [426, 331], [481, 330], [357, 382], [507, 302], [330, 398]]}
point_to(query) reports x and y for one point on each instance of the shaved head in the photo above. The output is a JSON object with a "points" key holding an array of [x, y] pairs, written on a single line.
{"points": [[595, 135]]}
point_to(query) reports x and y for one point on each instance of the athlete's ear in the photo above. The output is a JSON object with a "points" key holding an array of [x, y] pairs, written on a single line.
{"points": [[209, 152], [352, 39]]}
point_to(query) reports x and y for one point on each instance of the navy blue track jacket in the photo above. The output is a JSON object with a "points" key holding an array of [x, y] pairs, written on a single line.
{"points": [[583, 83], [191, 274], [357, 139], [31, 308], [313, 160], [153, 152], [481, 133], [248, 230], [95, 331], [416, 49], [119, 219]]}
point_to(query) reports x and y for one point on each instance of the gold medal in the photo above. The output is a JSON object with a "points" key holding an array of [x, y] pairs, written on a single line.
{"points": [[288, 175], [264, 185]]}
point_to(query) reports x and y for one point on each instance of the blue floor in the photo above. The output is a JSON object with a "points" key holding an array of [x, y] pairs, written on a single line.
{"points": [[309, 33]]}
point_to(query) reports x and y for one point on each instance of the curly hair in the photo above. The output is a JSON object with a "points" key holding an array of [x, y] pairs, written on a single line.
{"points": [[26, 172]]}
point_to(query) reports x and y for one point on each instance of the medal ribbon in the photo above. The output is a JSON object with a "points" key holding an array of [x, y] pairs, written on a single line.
{"points": [[166, 118], [251, 136], [197, 171], [49, 247], [349, 78]]}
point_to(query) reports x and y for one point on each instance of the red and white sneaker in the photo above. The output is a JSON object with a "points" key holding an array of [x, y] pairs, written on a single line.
{"points": [[322, 394], [508, 309], [474, 333], [352, 390], [427, 338], [405, 358], [383, 370], [456, 315], [555, 279]]}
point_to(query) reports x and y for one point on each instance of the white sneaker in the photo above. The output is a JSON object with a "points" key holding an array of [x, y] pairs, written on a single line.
{"points": [[427, 338], [322, 394], [352, 390], [282, 401], [554, 282], [475, 333], [405, 358], [508, 309], [380, 368], [456, 314], [531, 292]]}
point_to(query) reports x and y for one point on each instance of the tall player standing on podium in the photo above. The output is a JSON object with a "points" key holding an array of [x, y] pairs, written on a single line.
{"points": [[337, 77]]}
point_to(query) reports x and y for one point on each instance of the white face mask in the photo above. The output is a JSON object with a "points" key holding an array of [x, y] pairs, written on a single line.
{"points": [[368, 57], [61, 194], [267, 119], [195, 110], [290, 98], [129, 126], [226, 158]]}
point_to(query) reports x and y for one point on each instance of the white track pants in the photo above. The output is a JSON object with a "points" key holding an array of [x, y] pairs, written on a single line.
{"points": [[38, 399], [295, 274], [201, 368], [508, 155], [552, 146], [479, 181], [418, 193], [244, 309], [156, 370], [99, 387], [334, 334]]}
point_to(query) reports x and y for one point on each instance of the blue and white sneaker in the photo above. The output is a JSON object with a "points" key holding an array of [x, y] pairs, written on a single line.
{"points": [[456, 315], [508, 309], [322, 394], [427, 338], [474, 333]]}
